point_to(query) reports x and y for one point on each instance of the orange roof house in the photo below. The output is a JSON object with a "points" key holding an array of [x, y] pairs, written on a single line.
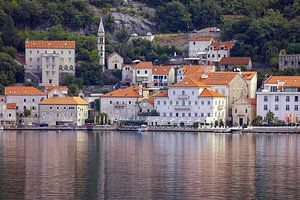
{"points": [[189, 82], [143, 65], [288, 81], [218, 45], [22, 91], [218, 78], [64, 101], [210, 93], [161, 70], [132, 91], [49, 44]]}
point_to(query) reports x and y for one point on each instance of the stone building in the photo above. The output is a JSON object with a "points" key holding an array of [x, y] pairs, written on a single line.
{"points": [[48, 62], [114, 61], [289, 61], [63, 111], [244, 111], [101, 44], [8, 114]]}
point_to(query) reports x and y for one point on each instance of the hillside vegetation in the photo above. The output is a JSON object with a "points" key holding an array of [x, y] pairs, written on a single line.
{"points": [[267, 26]]}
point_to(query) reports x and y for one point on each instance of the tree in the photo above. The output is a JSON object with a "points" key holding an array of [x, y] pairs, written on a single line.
{"points": [[258, 120], [27, 113], [270, 117], [173, 17]]}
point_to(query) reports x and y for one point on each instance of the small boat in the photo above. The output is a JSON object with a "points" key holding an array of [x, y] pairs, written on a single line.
{"points": [[143, 128], [236, 129]]}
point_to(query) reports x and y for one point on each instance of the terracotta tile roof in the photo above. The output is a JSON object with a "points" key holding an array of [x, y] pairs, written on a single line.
{"points": [[218, 78], [161, 70], [151, 100], [210, 93], [252, 101], [192, 70], [124, 92], [143, 65], [218, 45], [11, 106], [49, 44], [248, 75], [22, 90], [235, 61], [64, 101], [201, 38], [162, 94], [189, 82], [61, 88], [289, 81]]}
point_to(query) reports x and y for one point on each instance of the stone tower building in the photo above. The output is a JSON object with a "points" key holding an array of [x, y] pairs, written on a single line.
{"points": [[101, 44]]}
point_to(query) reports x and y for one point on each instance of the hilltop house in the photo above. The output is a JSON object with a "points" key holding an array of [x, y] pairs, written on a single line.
{"points": [[163, 76], [228, 63], [48, 62], [114, 61], [217, 51]]}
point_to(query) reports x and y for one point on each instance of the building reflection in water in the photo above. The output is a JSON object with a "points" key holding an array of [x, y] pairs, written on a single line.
{"points": [[112, 165]]}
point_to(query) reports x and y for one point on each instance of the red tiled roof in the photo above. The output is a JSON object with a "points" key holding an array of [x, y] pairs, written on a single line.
{"points": [[235, 61], [218, 78], [61, 88], [143, 65], [226, 45], [210, 93], [124, 92], [189, 82], [252, 101], [162, 94], [289, 81], [248, 75], [161, 70], [49, 44], [64, 101], [22, 90], [150, 100]]}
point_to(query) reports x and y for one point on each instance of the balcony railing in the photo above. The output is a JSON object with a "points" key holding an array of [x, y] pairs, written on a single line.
{"points": [[183, 97], [148, 114], [178, 107]]}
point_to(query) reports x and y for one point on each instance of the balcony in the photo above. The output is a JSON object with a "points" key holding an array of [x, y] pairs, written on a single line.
{"points": [[178, 107], [119, 106], [183, 97]]}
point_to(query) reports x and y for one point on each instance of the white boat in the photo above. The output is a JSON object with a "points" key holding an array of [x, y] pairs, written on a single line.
{"points": [[143, 128]]}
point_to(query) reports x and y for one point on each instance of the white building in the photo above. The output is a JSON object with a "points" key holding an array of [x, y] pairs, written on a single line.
{"points": [[122, 104], [25, 97], [193, 71], [163, 76], [217, 51], [8, 114], [198, 47], [187, 102], [101, 44], [280, 95], [48, 62], [114, 61], [63, 111]]}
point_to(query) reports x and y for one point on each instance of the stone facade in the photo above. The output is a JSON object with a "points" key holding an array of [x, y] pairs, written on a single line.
{"points": [[289, 61], [114, 61], [48, 62], [243, 111]]}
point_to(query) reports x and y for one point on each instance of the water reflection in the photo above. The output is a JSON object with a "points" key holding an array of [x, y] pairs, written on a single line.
{"points": [[112, 165]]}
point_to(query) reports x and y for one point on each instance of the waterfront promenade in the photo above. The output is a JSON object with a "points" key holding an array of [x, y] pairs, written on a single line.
{"points": [[255, 129]]}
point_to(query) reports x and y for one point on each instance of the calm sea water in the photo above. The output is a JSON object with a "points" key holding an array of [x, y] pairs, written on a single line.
{"points": [[114, 165]]}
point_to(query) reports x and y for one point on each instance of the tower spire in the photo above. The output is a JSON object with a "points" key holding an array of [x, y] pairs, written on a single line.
{"points": [[101, 43]]}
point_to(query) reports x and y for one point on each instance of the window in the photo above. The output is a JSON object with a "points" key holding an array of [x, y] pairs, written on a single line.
{"points": [[60, 67], [202, 114], [296, 98], [183, 114], [71, 67], [129, 102], [208, 102], [38, 59], [213, 55], [177, 114], [165, 102], [138, 72], [30, 59], [202, 102], [193, 92], [296, 108], [276, 98], [171, 102], [62, 52], [265, 107], [208, 114], [276, 107], [32, 100], [235, 111], [208, 55], [37, 51], [190, 114], [194, 43], [170, 114], [146, 72], [196, 114], [164, 114], [265, 98], [66, 67], [190, 103], [219, 55], [246, 110], [110, 102], [183, 92], [196, 102], [69, 52], [287, 98], [287, 107], [158, 102], [24, 100]]}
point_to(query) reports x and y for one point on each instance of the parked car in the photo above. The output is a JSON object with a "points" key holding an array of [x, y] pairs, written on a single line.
{"points": [[43, 125]]}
